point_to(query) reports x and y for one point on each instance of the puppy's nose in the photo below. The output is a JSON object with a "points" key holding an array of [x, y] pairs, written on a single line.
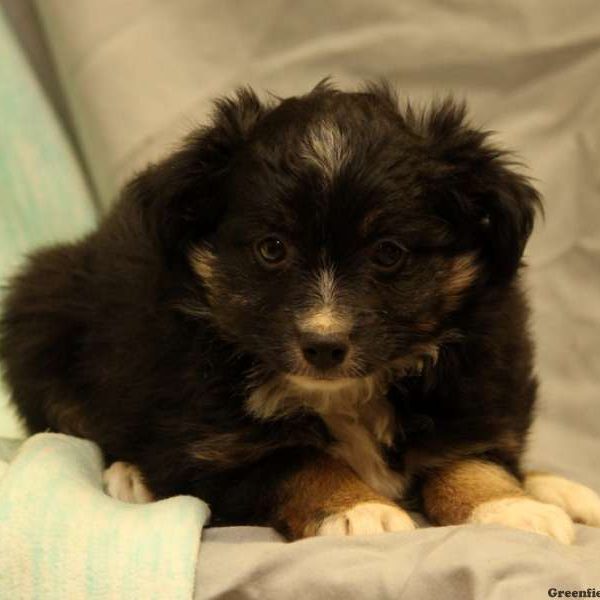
{"points": [[324, 351]]}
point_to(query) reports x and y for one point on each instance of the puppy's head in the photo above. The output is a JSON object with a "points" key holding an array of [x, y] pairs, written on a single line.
{"points": [[334, 235]]}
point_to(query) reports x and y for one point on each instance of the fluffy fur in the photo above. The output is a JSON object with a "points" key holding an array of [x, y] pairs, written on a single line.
{"points": [[164, 337]]}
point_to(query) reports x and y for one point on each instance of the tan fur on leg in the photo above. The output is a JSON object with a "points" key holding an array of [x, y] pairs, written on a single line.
{"points": [[451, 494], [475, 491], [326, 497]]}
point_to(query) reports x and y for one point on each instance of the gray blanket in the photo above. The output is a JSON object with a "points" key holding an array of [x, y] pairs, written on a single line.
{"points": [[444, 563]]}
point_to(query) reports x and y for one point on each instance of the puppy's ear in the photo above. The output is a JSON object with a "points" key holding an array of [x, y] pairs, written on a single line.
{"points": [[181, 199], [477, 189]]}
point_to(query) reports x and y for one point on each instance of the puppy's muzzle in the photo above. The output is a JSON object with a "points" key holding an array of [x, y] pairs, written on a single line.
{"points": [[324, 351]]}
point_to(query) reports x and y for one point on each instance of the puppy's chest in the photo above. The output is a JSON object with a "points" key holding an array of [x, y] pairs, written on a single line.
{"points": [[361, 438], [360, 420]]}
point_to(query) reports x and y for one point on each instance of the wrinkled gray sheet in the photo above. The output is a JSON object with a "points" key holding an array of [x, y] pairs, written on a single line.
{"points": [[446, 563], [140, 73]]}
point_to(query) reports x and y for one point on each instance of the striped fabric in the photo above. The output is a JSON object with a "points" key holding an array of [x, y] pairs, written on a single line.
{"points": [[62, 538]]}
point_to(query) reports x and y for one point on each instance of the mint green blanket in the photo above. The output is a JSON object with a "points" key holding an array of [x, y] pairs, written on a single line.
{"points": [[63, 538]]}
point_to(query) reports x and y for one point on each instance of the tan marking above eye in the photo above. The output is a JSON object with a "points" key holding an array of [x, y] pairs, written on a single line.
{"points": [[369, 220]]}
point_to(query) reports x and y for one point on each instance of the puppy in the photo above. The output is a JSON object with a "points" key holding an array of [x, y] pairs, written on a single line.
{"points": [[308, 316]]}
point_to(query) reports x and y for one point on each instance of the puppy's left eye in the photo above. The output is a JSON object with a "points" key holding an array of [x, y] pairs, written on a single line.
{"points": [[271, 251], [387, 255]]}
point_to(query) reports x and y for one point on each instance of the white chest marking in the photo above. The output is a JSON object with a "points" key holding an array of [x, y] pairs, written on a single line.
{"points": [[356, 414], [360, 438]]}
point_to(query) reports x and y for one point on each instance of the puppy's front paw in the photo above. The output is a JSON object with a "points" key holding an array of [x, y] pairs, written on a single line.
{"points": [[124, 481], [580, 502], [526, 514], [367, 518]]}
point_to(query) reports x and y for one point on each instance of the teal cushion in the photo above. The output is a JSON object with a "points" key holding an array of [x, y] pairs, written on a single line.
{"points": [[43, 194]]}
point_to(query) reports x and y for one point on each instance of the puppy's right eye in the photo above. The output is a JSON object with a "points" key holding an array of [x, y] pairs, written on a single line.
{"points": [[387, 255], [271, 251]]}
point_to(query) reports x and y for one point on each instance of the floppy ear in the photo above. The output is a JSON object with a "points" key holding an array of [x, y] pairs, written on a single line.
{"points": [[180, 199], [476, 188]]}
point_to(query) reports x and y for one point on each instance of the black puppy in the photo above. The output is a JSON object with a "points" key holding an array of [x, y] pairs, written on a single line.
{"points": [[309, 313]]}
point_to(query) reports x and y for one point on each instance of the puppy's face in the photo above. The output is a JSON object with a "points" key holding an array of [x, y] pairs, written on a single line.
{"points": [[349, 235]]}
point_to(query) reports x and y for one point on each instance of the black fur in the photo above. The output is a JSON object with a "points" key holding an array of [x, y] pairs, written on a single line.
{"points": [[115, 337]]}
